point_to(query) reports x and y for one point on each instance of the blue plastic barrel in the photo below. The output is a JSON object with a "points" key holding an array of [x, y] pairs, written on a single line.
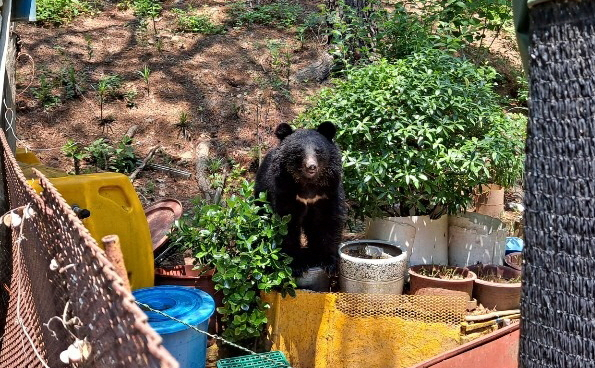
{"points": [[190, 305]]}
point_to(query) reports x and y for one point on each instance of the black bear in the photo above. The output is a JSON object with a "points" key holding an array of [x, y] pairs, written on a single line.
{"points": [[302, 177]]}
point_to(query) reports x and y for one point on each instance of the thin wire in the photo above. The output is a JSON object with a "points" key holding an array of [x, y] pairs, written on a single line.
{"points": [[277, 364]]}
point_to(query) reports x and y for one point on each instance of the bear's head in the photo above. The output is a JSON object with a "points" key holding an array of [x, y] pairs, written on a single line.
{"points": [[309, 155]]}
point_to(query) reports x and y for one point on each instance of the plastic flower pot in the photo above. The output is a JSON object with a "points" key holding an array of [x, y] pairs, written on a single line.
{"points": [[424, 280], [425, 240], [492, 288], [371, 267]]}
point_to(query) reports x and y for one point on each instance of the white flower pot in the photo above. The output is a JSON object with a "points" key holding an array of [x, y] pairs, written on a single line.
{"points": [[476, 238], [425, 240]]}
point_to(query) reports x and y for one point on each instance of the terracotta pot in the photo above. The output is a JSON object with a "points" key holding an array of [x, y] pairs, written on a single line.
{"points": [[185, 275], [490, 200], [497, 295], [514, 260], [425, 285]]}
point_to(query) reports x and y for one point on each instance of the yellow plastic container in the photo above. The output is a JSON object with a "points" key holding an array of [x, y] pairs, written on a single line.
{"points": [[115, 209]]}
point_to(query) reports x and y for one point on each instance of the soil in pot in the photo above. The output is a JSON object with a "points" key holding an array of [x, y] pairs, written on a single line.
{"points": [[497, 287], [441, 280]]}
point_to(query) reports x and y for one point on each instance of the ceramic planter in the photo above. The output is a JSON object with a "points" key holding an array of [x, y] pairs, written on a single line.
{"points": [[497, 295], [371, 267], [426, 285]]}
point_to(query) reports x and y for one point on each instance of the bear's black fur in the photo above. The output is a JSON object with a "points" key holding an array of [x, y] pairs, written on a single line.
{"points": [[302, 177]]}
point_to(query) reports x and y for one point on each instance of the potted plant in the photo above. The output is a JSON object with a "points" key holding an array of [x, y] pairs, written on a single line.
{"points": [[497, 287], [371, 267], [239, 238], [417, 136], [441, 280]]}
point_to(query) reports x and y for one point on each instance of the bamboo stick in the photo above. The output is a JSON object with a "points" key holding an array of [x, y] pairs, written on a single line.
{"points": [[113, 251]]}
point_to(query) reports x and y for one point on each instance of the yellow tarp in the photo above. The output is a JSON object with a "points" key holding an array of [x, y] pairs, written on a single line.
{"points": [[329, 330]]}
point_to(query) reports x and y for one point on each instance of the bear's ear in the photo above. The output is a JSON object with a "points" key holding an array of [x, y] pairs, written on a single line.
{"points": [[283, 130], [327, 129]]}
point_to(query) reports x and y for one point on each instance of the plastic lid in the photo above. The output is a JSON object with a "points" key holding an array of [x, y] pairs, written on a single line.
{"points": [[187, 304]]}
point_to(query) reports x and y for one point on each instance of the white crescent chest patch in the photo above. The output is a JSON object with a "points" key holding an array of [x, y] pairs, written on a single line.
{"points": [[312, 200]]}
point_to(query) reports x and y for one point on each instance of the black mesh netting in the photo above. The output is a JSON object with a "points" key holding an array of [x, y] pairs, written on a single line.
{"points": [[558, 306]]}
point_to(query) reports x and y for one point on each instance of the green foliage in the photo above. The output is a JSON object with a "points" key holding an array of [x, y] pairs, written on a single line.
{"points": [[129, 97], [184, 124], [58, 12], [196, 23], [460, 22], [76, 152], [72, 82], [108, 86], [418, 135], [226, 174], [103, 156], [279, 13], [147, 8], [145, 73], [240, 239], [281, 61], [45, 92]]}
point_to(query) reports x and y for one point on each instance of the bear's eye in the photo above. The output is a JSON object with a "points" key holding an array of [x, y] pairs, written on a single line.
{"points": [[318, 151]]}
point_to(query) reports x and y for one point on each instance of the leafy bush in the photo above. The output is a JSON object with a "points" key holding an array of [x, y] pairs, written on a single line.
{"points": [[44, 93], [459, 22], [58, 12], [147, 8], [419, 134], [196, 23], [282, 13], [361, 36], [104, 156], [241, 239]]}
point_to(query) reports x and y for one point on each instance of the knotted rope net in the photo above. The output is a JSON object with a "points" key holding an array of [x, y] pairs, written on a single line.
{"points": [[58, 288], [558, 304]]}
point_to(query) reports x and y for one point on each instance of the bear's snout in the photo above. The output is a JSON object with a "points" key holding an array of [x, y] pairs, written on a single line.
{"points": [[310, 167]]}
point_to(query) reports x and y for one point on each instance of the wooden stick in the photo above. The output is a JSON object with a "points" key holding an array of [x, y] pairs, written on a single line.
{"points": [[131, 131], [144, 163], [492, 315], [466, 327], [202, 154], [113, 251]]}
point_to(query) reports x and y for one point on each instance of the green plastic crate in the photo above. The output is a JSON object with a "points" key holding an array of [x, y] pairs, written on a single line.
{"points": [[255, 361]]}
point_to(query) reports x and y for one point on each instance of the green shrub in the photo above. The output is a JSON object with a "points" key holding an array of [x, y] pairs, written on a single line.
{"points": [[282, 14], [196, 23], [44, 94], [418, 135], [103, 156], [241, 240], [58, 12]]}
